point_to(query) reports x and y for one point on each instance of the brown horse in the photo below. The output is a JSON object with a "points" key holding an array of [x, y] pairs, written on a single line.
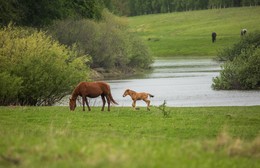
{"points": [[92, 90], [138, 96]]}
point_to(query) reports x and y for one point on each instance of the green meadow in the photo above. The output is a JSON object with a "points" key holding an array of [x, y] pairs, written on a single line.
{"points": [[176, 137], [181, 137], [189, 33]]}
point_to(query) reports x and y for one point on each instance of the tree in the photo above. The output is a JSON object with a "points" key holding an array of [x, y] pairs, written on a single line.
{"points": [[10, 12]]}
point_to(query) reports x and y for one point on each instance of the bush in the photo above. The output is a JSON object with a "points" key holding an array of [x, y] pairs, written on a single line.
{"points": [[37, 69], [140, 56], [242, 68], [9, 88], [251, 40], [108, 42]]}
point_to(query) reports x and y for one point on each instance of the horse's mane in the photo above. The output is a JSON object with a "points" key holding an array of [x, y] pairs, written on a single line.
{"points": [[131, 91], [75, 93]]}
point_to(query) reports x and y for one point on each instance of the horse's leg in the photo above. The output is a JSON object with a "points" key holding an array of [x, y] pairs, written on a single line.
{"points": [[108, 102], [104, 102], [83, 102], [148, 103], [87, 104]]}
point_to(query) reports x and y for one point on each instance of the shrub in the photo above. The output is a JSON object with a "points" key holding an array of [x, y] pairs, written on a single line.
{"points": [[108, 42], [242, 68], [140, 56], [251, 40], [42, 69], [9, 88]]}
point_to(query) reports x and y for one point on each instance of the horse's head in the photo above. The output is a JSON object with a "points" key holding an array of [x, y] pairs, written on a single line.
{"points": [[126, 93], [72, 104]]}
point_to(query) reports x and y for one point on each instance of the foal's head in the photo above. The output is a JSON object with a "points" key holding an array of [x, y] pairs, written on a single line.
{"points": [[126, 92], [72, 104]]}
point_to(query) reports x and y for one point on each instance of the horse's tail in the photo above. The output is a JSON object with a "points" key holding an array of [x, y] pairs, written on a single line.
{"points": [[111, 98], [150, 95]]}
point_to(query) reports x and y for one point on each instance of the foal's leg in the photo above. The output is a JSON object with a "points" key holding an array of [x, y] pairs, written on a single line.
{"points": [[148, 103], [87, 104], [104, 102]]}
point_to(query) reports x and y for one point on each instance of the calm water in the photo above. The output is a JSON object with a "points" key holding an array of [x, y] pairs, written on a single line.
{"points": [[181, 82]]}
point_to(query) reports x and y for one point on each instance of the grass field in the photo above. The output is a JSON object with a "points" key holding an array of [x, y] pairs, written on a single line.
{"points": [[184, 137], [189, 33]]}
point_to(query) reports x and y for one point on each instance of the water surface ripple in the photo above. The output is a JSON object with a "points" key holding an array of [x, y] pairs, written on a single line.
{"points": [[183, 83]]}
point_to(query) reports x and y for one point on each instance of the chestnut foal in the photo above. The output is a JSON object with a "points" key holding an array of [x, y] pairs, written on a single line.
{"points": [[138, 96]]}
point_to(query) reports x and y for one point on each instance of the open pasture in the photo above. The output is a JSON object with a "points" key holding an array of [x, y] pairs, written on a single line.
{"points": [[189, 33], [166, 137]]}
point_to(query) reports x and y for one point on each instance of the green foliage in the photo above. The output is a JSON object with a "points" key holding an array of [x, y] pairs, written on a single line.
{"points": [[143, 7], [9, 12], [9, 88], [108, 42], [43, 70], [246, 44], [242, 68], [162, 107], [43, 12], [140, 56]]}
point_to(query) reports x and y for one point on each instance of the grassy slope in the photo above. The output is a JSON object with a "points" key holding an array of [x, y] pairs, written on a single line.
{"points": [[189, 33], [55, 137]]}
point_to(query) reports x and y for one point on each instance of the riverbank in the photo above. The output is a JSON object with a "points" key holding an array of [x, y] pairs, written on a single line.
{"points": [[98, 74], [181, 137]]}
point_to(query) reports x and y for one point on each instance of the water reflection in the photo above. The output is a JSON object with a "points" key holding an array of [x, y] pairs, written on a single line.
{"points": [[181, 82]]}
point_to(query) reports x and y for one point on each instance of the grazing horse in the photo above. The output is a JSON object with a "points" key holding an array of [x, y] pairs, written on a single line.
{"points": [[92, 90], [243, 32], [138, 96], [214, 36]]}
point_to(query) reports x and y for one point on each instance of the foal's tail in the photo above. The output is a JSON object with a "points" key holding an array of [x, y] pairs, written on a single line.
{"points": [[150, 95], [111, 98]]}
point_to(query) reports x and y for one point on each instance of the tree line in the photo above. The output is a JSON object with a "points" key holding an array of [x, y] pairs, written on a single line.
{"points": [[142, 7], [43, 12]]}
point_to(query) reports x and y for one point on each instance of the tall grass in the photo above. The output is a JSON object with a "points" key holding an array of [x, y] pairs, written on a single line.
{"points": [[188, 137], [189, 33]]}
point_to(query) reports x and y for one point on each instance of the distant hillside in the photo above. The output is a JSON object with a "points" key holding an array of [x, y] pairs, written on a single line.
{"points": [[189, 33]]}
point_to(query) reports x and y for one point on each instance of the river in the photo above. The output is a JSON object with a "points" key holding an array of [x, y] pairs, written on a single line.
{"points": [[181, 83]]}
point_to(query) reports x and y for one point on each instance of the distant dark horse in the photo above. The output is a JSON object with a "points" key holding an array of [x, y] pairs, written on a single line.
{"points": [[243, 32], [214, 36], [92, 90]]}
